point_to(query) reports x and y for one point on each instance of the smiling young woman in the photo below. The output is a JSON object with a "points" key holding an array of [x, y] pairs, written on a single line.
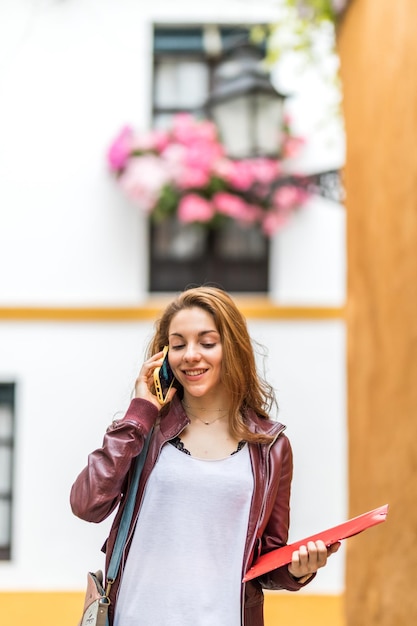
{"points": [[239, 377], [215, 487]]}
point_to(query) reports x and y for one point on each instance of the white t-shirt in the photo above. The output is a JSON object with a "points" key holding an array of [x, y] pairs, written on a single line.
{"points": [[184, 566]]}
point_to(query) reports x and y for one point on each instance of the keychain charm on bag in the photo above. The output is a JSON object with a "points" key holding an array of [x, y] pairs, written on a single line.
{"points": [[96, 602]]}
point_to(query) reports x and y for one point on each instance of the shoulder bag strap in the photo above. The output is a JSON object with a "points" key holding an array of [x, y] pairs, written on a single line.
{"points": [[126, 516]]}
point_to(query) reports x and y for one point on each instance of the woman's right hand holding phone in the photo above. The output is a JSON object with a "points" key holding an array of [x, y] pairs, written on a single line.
{"points": [[144, 383]]}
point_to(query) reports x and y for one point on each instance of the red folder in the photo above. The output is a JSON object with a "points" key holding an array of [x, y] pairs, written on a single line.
{"points": [[282, 556]]}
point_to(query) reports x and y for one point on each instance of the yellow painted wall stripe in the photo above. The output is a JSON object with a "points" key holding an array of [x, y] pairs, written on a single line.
{"points": [[255, 309], [295, 609], [30, 608]]}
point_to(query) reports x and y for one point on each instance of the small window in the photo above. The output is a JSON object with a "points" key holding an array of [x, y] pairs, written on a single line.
{"points": [[7, 404], [234, 257]]}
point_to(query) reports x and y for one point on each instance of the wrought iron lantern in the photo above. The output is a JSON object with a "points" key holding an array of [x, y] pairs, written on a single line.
{"points": [[248, 112], [244, 104]]}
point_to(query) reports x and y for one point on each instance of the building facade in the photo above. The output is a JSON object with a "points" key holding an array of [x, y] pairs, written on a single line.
{"points": [[76, 311]]}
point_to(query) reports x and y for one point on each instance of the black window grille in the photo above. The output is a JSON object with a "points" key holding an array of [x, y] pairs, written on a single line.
{"points": [[233, 257], [7, 418]]}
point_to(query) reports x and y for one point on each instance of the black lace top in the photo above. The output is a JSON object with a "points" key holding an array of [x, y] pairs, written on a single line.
{"points": [[180, 446]]}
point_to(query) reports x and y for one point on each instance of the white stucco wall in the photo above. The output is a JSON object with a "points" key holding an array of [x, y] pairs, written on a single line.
{"points": [[71, 73]]}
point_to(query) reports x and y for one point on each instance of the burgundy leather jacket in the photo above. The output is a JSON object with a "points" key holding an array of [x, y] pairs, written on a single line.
{"points": [[100, 486]]}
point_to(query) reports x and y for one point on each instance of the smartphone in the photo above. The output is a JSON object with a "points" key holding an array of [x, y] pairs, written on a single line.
{"points": [[163, 378]]}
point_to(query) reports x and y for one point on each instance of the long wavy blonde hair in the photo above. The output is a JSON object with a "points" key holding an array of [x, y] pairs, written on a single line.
{"points": [[247, 389]]}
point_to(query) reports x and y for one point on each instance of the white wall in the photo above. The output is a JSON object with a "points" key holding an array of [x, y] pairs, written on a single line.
{"points": [[71, 73], [308, 257]]}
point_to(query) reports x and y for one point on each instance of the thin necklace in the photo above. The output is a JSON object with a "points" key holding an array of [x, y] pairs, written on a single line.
{"points": [[204, 421]]}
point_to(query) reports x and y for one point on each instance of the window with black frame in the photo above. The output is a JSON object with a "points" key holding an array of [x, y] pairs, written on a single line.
{"points": [[234, 257], [7, 404]]}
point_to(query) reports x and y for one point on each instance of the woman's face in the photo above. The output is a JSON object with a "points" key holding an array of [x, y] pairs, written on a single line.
{"points": [[195, 352]]}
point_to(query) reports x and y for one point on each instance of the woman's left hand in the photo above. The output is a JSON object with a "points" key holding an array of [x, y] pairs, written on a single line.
{"points": [[308, 559]]}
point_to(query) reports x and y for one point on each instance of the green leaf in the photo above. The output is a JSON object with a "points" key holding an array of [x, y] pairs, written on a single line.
{"points": [[167, 203]]}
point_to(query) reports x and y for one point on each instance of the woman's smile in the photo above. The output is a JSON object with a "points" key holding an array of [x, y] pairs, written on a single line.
{"points": [[196, 352], [194, 373]]}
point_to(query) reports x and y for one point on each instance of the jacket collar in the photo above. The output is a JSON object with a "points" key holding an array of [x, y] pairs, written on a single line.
{"points": [[173, 419], [263, 426]]}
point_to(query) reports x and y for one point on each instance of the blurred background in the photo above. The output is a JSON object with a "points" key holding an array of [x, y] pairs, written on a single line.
{"points": [[250, 145]]}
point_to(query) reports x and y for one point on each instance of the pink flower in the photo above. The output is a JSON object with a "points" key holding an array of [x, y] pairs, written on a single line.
{"points": [[206, 131], [265, 171], [273, 222], [156, 140], [186, 173], [233, 206], [120, 149], [174, 154], [241, 175], [288, 197], [194, 208], [192, 178], [183, 128], [143, 180], [203, 155], [285, 200], [223, 168], [187, 130], [292, 146]]}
